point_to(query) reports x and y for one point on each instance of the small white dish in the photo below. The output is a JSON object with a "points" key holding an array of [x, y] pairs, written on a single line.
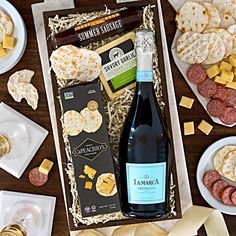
{"points": [[25, 137], [13, 56], [205, 164], [13, 204]]}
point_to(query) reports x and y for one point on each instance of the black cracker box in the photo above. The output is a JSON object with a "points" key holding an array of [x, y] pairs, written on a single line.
{"points": [[85, 125]]}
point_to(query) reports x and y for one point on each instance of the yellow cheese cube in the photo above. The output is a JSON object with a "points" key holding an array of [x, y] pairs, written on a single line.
{"points": [[232, 60], [8, 42], [189, 128], [2, 52], [218, 80], [225, 66], [88, 185], [227, 76], [186, 102], [213, 71], [231, 85], [89, 171], [46, 166], [205, 127]]}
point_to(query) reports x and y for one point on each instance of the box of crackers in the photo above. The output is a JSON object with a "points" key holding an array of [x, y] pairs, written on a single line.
{"points": [[82, 179], [85, 124]]}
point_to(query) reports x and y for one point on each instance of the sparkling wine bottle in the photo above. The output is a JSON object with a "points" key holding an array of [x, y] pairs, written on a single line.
{"points": [[145, 146]]}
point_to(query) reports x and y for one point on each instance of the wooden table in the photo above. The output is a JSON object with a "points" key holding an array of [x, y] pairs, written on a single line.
{"points": [[194, 145]]}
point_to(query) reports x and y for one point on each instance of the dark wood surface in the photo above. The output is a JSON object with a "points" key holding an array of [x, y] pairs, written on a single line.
{"points": [[194, 145]]}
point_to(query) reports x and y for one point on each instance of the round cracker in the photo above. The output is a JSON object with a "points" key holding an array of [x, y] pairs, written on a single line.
{"points": [[216, 48], [226, 20], [219, 157], [192, 47], [192, 16], [226, 37], [74, 122], [228, 166], [214, 16], [232, 30], [6, 25], [226, 6], [72, 63], [93, 120], [100, 179]]}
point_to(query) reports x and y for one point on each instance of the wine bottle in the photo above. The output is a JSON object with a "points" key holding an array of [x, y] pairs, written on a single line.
{"points": [[116, 23], [145, 155]]}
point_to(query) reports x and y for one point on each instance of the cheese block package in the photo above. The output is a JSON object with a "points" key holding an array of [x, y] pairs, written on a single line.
{"points": [[90, 149]]}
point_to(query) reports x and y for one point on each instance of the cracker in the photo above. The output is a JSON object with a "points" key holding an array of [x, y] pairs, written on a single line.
{"points": [[192, 47], [214, 16], [192, 17], [72, 63], [226, 20], [232, 31], [106, 185], [216, 48], [226, 37], [226, 6], [93, 120], [6, 25], [74, 122], [228, 166], [219, 157]]}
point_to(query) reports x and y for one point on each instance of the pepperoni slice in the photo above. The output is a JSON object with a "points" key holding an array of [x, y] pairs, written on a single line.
{"points": [[221, 93], [196, 73], [226, 196], [231, 99], [233, 198], [37, 178], [218, 188], [216, 108], [207, 88], [210, 178], [229, 117]]}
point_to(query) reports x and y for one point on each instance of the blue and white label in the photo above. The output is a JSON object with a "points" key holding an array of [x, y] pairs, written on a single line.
{"points": [[146, 183], [144, 76]]}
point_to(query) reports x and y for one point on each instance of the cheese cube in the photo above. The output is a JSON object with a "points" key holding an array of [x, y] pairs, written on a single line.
{"points": [[46, 166], [227, 76], [89, 171], [225, 66], [205, 127], [231, 85], [189, 128], [213, 71], [218, 80], [2, 52], [232, 60], [8, 42], [186, 102], [88, 185], [82, 176]]}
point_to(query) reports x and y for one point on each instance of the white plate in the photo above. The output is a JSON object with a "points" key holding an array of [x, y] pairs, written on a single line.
{"points": [[205, 164], [13, 56]]}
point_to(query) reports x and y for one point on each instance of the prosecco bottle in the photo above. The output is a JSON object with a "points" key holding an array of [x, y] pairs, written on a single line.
{"points": [[144, 145]]}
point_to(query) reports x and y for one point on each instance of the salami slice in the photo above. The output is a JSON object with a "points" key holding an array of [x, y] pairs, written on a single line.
{"points": [[210, 178], [221, 93], [207, 88], [233, 197], [231, 98], [218, 188], [196, 73], [229, 117], [37, 178], [216, 108], [226, 196]]}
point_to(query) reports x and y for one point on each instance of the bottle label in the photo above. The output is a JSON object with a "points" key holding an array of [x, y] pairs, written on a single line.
{"points": [[144, 76], [146, 183]]}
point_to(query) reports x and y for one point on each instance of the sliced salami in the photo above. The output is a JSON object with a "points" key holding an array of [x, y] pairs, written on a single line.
{"points": [[210, 178], [216, 108], [226, 196], [221, 93], [207, 88], [218, 188], [196, 73], [233, 198], [229, 117], [231, 98], [37, 178]]}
